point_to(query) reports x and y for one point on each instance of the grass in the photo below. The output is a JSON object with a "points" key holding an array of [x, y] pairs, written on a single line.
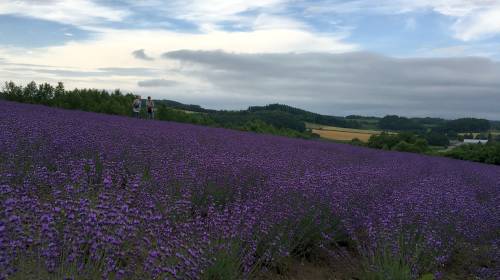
{"points": [[226, 265]]}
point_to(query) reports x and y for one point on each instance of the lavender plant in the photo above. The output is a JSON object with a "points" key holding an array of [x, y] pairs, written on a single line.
{"points": [[86, 196]]}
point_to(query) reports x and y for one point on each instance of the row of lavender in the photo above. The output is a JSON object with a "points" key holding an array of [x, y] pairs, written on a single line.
{"points": [[89, 194]]}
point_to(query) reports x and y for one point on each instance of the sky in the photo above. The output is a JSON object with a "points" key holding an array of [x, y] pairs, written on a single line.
{"points": [[438, 58]]}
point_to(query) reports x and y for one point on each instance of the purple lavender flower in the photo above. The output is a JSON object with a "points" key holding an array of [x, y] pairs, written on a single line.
{"points": [[171, 200]]}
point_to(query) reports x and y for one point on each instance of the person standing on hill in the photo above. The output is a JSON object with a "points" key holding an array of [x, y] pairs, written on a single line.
{"points": [[151, 107], [136, 106]]}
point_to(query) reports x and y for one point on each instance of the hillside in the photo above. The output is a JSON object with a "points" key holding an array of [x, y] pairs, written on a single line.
{"points": [[418, 135], [91, 196], [278, 115]]}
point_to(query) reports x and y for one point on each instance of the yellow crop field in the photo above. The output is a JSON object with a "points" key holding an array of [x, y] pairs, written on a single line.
{"points": [[326, 127], [342, 135]]}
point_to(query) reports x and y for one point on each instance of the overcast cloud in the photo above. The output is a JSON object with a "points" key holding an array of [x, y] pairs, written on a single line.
{"points": [[157, 83], [352, 83]]}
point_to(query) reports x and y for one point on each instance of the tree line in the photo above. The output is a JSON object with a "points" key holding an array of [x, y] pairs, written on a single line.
{"points": [[118, 103], [403, 142], [463, 125], [486, 153], [415, 143], [91, 100]]}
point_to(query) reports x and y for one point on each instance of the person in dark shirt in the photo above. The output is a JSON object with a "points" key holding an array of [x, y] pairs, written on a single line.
{"points": [[151, 108]]}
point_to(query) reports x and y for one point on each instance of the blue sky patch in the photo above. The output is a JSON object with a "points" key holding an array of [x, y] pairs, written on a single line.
{"points": [[36, 33]]}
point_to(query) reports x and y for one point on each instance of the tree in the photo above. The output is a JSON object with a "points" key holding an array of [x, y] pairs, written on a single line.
{"points": [[44, 94], [421, 145], [405, 142], [437, 139], [13, 92], [59, 90], [383, 141], [468, 125], [397, 123], [489, 153], [29, 92], [452, 135]]}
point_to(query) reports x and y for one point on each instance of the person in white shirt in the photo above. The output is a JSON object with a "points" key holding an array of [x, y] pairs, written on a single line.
{"points": [[136, 106]]}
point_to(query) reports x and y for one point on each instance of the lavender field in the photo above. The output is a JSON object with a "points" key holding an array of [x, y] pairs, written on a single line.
{"points": [[90, 196]]}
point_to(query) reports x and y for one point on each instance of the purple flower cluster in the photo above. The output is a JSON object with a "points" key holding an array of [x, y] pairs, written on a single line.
{"points": [[107, 196]]}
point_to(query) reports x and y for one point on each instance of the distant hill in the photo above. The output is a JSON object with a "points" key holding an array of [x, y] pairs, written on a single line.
{"points": [[495, 125], [186, 107], [307, 116], [277, 115]]}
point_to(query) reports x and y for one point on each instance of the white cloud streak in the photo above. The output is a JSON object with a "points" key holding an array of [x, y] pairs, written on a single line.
{"points": [[219, 10], [75, 12], [474, 19]]}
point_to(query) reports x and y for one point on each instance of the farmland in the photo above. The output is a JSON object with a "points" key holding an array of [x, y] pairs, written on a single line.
{"points": [[340, 133], [90, 196]]}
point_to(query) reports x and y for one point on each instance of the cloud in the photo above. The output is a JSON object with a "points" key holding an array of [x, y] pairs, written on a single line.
{"points": [[63, 73], [75, 12], [111, 48], [266, 21], [140, 54], [128, 71], [473, 19], [482, 24], [273, 51], [461, 50], [351, 83], [218, 10], [157, 83]]}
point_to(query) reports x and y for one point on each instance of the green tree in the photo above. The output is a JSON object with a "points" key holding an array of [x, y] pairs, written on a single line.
{"points": [[489, 153], [13, 92], [468, 125], [404, 142], [30, 91], [397, 123], [44, 94], [437, 139]]}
